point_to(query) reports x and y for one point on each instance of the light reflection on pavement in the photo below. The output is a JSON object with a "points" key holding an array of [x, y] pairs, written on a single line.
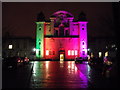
{"points": [[59, 74]]}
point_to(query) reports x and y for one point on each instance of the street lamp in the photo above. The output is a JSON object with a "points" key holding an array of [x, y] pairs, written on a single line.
{"points": [[10, 46], [34, 49], [88, 49]]}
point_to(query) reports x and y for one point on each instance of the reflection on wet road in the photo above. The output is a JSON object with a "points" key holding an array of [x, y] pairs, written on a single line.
{"points": [[59, 74]]}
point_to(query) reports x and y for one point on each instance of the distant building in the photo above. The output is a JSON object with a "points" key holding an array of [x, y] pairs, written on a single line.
{"points": [[61, 37], [102, 46], [18, 46]]}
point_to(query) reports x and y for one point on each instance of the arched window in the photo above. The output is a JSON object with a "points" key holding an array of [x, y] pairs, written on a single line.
{"points": [[61, 31], [56, 33], [66, 33]]}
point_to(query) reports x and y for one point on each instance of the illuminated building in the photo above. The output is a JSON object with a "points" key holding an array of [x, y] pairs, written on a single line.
{"points": [[61, 37]]}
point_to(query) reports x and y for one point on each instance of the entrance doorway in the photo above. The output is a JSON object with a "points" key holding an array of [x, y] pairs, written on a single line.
{"points": [[61, 57]]}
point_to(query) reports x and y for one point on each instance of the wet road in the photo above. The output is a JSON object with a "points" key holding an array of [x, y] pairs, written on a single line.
{"points": [[56, 74]]}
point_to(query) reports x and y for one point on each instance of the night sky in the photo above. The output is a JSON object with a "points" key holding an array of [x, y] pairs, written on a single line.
{"points": [[18, 18]]}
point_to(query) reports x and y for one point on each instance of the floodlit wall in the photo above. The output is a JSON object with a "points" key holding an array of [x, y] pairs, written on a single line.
{"points": [[54, 45]]}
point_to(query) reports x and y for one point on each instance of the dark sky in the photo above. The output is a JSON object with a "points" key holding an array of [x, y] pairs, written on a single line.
{"points": [[19, 18]]}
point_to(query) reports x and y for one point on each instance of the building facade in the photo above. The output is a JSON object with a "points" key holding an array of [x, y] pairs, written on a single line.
{"points": [[18, 46], [102, 46], [61, 37]]}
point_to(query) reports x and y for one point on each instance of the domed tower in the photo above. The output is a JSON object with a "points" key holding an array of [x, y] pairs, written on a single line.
{"points": [[83, 34], [61, 19], [40, 35]]}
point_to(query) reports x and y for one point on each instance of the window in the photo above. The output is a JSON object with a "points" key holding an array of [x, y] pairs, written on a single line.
{"points": [[39, 43], [72, 52], [75, 52], [82, 28], [56, 32], [25, 45], [92, 55], [10, 46], [83, 43], [53, 52], [61, 31], [47, 52], [82, 24], [69, 52], [106, 53], [17, 45], [100, 54], [50, 52], [39, 28], [39, 53], [83, 52], [66, 33]]}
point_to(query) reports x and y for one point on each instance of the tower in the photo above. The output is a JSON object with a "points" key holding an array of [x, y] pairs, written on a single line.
{"points": [[40, 35], [83, 34]]}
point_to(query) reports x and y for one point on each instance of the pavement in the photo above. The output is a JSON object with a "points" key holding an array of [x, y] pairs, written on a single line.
{"points": [[18, 78], [56, 74]]}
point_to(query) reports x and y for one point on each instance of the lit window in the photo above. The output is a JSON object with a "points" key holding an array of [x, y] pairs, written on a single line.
{"points": [[47, 52], [75, 52], [10, 46], [113, 46], [100, 54], [106, 53], [92, 55], [68, 52], [72, 52], [106, 47]]}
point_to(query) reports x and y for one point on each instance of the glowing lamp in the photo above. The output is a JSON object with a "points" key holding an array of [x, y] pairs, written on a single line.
{"points": [[10, 46], [34, 49]]}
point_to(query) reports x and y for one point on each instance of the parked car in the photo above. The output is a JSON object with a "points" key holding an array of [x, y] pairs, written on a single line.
{"points": [[25, 60], [95, 60], [107, 60], [12, 62], [78, 60], [107, 64]]}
